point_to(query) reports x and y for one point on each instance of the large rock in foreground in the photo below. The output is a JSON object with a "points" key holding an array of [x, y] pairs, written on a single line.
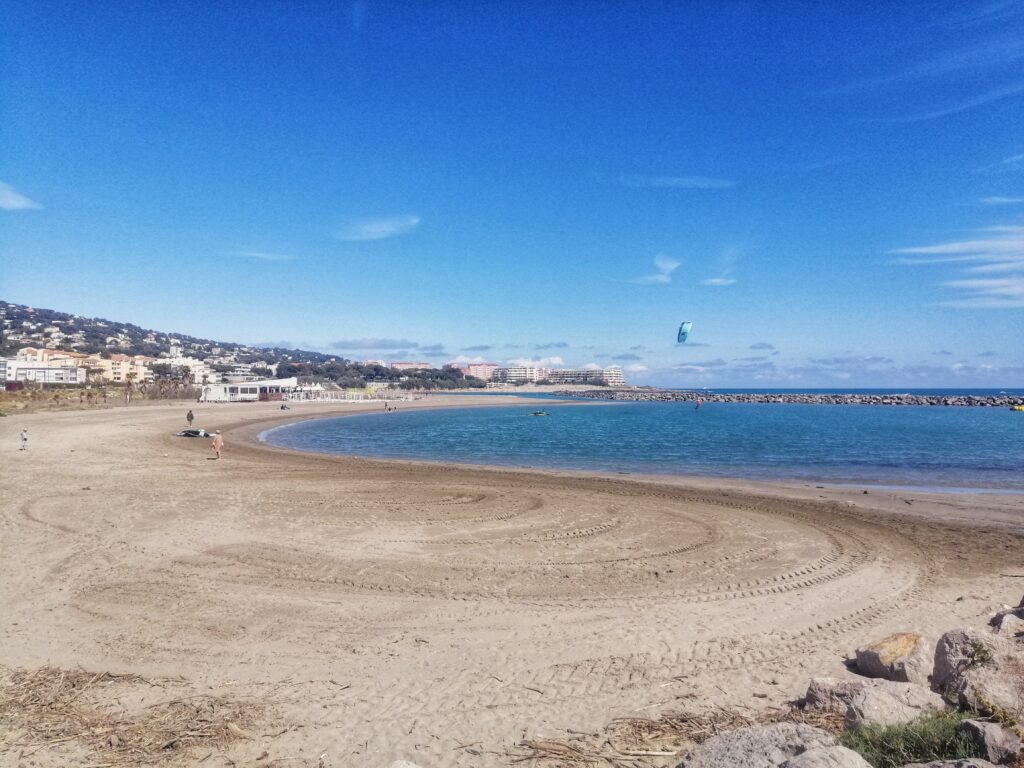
{"points": [[1000, 745], [832, 694], [887, 703], [903, 657], [761, 746], [1017, 613], [827, 757], [980, 671], [1009, 625], [870, 701]]}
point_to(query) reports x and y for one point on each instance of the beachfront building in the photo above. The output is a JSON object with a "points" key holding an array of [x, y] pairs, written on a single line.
{"points": [[55, 358], [249, 391], [520, 374], [483, 371], [12, 370], [611, 377], [45, 366], [119, 368]]}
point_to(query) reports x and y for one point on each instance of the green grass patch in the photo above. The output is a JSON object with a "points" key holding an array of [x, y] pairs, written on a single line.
{"points": [[931, 737]]}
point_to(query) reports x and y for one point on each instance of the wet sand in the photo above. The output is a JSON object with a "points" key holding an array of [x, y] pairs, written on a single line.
{"points": [[384, 610]]}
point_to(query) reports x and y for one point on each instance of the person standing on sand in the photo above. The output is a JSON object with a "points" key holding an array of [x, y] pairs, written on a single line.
{"points": [[24, 440], [218, 443], [189, 417]]}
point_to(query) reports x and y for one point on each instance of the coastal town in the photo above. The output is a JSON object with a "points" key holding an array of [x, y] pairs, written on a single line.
{"points": [[50, 349]]}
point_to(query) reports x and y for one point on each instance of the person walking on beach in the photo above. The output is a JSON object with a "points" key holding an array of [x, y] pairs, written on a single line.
{"points": [[24, 440], [218, 443], [189, 417]]}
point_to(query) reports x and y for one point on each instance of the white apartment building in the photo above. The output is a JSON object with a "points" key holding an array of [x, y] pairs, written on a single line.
{"points": [[13, 370], [49, 357], [520, 374], [611, 377]]}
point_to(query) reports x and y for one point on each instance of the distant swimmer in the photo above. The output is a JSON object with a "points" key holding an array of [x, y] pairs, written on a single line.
{"points": [[698, 405]]}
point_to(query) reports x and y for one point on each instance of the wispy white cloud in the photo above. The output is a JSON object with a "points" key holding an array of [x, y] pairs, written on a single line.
{"points": [[675, 182], [725, 263], [373, 343], [665, 266], [981, 67], [466, 360], [999, 257], [12, 200], [962, 106], [536, 362], [997, 200], [378, 229], [1006, 165], [263, 256]]}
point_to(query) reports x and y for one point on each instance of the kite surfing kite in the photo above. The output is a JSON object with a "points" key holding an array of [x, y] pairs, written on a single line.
{"points": [[684, 331]]}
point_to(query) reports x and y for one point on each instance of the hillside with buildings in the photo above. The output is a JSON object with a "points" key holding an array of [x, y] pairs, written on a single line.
{"points": [[40, 347]]}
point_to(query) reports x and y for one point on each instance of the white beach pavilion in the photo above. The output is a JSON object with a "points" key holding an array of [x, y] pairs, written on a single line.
{"points": [[249, 391]]}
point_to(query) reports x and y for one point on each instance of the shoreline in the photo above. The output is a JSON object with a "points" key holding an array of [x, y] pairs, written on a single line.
{"points": [[375, 610], [754, 481]]}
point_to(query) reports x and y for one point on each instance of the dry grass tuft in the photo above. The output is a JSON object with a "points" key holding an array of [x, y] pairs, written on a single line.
{"points": [[653, 742], [48, 706]]}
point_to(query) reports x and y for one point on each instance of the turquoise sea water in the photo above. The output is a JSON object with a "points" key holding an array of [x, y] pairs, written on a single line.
{"points": [[977, 448]]}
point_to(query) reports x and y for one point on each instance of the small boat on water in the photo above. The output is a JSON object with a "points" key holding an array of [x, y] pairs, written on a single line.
{"points": [[539, 413], [1017, 407]]}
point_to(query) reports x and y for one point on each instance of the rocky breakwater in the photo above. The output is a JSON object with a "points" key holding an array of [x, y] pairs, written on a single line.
{"points": [[806, 398]]}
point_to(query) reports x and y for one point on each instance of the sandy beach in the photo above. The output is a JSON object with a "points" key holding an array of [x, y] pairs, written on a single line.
{"points": [[343, 611]]}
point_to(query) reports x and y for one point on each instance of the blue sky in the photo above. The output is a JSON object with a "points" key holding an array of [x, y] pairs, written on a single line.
{"points": [[833, 194]]}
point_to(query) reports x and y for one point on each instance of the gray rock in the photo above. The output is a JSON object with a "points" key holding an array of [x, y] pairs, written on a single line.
{"points": [[887, 703], [979, 670], [832, 694], [760, 746], [1009, 626], [966, 762], [1001, 746], [904, 657], [1009, 613], [827, 757]]}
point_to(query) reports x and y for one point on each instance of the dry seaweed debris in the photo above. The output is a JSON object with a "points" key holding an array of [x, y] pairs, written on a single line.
{"points": [[633, 742], [49, 706]]}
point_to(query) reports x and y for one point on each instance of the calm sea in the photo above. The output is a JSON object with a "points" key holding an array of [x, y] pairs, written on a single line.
{"points": [[909, 446]]}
